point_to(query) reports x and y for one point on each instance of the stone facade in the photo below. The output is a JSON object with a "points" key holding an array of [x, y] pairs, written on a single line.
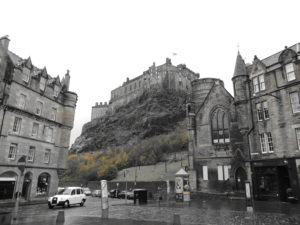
{"points": [[166, 76], [257, 135], [99, 110], [36, 118]]}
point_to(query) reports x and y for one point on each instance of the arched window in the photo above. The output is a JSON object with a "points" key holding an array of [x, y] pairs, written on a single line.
{"points": [[220, 127]]}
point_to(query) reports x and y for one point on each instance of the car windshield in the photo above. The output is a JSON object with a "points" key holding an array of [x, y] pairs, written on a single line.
{"points": [[60, 191], [86, 189], [66, 192]]}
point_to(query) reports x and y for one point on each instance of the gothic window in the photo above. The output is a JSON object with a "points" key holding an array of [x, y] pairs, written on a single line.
{"points": [[220, 127]]}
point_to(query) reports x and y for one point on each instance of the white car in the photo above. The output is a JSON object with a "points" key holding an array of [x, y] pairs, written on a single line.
{"points": [[68, 196]]}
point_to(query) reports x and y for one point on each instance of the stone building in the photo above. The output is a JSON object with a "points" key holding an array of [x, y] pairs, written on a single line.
{"points": [[36, 118], [254, 135], [166, 76]]}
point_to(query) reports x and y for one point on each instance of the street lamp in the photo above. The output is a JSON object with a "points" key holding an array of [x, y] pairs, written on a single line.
{"points": [[21, 163]]}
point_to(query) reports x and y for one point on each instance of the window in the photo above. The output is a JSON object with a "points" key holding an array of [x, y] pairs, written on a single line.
{"points": [[205, 172], [220, 173], [290, 74], [39, 108], [266, 142], [17, 125], [31, 154], [26, 74], [53, 114], [42, 83], [12, 151], [47, 156], [48, 133], [262, 111], [259, 83], [294, 96], [56, 91], [298, 137], [22, 101], [220, 127], [223, 172], [35, 130]]}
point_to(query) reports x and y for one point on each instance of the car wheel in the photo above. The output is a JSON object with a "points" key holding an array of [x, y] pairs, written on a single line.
{"points": [[50, 206], [67, 204], [82, 202]]}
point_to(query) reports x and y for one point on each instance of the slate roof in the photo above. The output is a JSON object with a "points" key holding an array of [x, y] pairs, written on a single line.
{"points": [[240, 66], [273, 59]]}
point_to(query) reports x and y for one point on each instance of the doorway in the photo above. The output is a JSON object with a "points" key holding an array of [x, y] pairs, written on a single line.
{"points": [[27, 186], [240, 178]]}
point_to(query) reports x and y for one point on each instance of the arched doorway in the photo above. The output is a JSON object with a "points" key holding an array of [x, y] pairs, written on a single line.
{"points": [[27, 185], [8, 181], [240, 177], [43, 184]]}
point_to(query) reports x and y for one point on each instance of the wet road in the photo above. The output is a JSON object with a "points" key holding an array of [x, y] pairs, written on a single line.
{"points": [[208, 212]]}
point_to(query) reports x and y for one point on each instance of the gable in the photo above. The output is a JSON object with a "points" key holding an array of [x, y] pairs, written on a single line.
{"points": [[218, 97], [258, 67]]}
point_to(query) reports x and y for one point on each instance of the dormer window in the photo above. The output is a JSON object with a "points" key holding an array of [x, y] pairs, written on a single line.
{"points": [[26, 74], [56, 91], [290, 73], [42, 83], [259, 83]]}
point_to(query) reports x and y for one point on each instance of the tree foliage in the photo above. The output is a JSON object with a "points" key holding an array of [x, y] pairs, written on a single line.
{"points": [[105, 163]]}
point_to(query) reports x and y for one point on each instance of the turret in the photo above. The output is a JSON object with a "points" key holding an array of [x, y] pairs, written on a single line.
{"points": [[66, 81], [4, 41], [239, 79]]}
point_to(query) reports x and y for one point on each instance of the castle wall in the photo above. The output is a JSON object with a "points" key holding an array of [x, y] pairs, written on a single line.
{"points": [[166, 76]]}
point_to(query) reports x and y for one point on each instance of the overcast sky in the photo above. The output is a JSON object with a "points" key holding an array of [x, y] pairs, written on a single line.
{"points": [[102, 42]]}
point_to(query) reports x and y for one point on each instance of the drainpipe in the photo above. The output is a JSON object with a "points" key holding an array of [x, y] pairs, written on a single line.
{"points": [[4, 109]]}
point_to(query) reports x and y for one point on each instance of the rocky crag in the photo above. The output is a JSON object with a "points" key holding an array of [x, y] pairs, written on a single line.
{"points": [[153, 113]]}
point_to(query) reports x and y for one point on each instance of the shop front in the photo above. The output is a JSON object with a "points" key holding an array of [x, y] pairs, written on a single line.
{"points": [[275, 180]]}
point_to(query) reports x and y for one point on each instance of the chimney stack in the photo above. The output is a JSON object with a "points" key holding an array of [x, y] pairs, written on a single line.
{"points": [[5, 41]]}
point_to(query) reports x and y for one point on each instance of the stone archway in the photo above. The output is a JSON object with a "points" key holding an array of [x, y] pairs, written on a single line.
{"points": [[8, 181], [240, 178], [43, 184], [27, 185]]}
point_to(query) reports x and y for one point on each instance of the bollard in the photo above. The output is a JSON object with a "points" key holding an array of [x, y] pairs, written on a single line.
{"points": [[104, 199], [176, 220], [60, 220]]}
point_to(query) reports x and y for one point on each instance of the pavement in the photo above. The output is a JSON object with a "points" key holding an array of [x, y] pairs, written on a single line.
{"points": [[197, 212]]}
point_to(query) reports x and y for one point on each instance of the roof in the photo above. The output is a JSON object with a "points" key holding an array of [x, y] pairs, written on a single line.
{"points": [[240, 66], [273, 59], [181, 172]]}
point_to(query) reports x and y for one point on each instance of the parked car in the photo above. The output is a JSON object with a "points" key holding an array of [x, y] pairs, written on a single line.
{"points": [[113, 193], [69, 196], [96, 193], [87, 191], [130, 194], [122, 194]]}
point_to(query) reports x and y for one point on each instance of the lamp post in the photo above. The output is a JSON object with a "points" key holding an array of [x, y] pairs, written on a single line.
{"points": [[21, 163]]}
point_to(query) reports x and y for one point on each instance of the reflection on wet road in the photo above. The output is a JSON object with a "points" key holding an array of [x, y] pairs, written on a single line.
{"points": [[197, 212]]}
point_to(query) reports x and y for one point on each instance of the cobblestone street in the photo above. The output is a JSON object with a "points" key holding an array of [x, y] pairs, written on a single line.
{"points": [[211, 212]]}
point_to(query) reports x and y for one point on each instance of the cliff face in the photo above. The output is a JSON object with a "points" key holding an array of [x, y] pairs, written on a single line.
{"points": [[153, 113]]}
